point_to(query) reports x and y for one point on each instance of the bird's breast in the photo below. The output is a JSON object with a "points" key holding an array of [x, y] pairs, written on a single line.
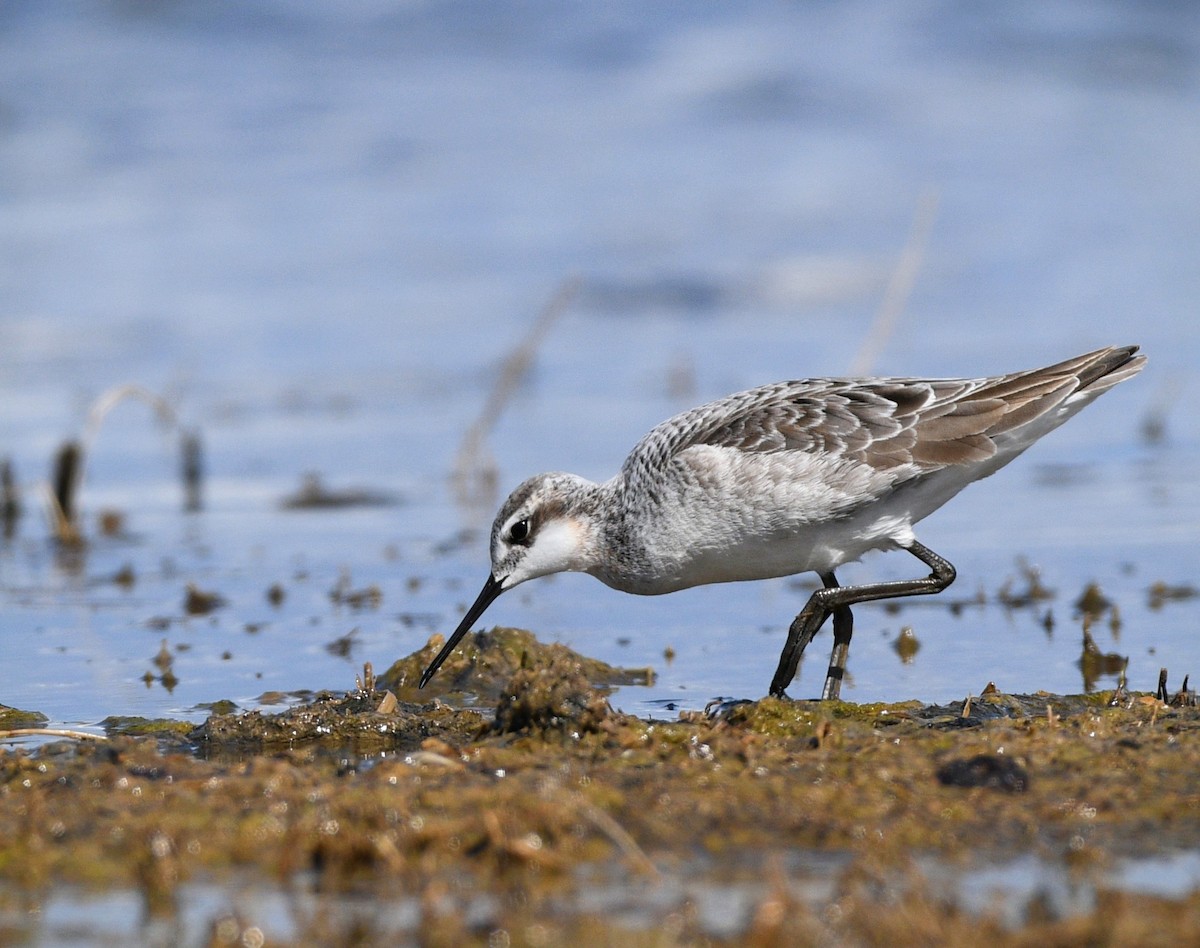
{"points": [[722, 515]]}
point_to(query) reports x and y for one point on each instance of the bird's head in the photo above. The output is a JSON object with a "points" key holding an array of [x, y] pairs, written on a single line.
{"points": [[545, 526]]}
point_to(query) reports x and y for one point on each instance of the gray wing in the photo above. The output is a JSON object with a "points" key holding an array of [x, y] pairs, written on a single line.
{"points": [[905, 426]]}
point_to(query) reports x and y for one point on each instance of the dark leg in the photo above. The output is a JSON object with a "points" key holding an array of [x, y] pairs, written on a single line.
{"points": [[843, 628], [834, 599]]}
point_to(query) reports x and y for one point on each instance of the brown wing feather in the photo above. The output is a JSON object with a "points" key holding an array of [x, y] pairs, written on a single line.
{"points": [[886, 423]]}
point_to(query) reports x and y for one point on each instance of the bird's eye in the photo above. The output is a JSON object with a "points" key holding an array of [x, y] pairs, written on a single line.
{"points": [[519, 531]]}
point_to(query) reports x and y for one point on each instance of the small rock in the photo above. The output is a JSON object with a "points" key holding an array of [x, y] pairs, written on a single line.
{"points": [[985, 770]]}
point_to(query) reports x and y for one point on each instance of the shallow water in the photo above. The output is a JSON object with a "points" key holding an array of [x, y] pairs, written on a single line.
{"points": [[318, 232], [255, 910]]}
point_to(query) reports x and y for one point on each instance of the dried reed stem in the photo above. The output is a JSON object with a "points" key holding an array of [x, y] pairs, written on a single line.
{"points": [[899, 287], [474, 473], [49, 732]]}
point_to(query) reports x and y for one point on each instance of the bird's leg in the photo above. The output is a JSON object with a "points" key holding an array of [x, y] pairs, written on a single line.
{"points": [[843, 628], [800, 633], [833, 599]]}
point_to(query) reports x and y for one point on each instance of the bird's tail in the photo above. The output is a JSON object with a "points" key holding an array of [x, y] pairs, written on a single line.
{"points": [[1100, 370]]}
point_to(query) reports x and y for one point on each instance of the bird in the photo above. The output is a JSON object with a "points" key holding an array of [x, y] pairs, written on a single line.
{"points": [[794, 477]]}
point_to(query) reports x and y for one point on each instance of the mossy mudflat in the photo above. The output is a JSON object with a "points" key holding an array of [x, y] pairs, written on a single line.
{"points": [[446, 805], [484, 663]]}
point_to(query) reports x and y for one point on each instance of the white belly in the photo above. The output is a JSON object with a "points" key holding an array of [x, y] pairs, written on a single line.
{"points": [[725, 516]]}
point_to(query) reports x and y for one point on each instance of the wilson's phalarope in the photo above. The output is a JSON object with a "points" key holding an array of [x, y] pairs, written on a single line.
{"points": [[788, 478]]}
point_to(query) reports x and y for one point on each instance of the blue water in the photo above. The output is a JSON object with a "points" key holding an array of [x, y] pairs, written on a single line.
{"points": [[318, 229]]}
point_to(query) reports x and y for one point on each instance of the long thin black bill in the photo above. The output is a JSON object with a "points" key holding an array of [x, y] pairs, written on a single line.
{"points": [[491, 589]]}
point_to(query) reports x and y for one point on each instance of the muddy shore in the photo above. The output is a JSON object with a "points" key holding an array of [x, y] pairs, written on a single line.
{"points": [[515, 815]]}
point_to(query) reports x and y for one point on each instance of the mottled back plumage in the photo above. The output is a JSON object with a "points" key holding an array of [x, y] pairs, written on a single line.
{"points": [[916, 425]]}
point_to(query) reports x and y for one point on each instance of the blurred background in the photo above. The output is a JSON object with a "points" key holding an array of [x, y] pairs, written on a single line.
{"points": [[345, 239]]}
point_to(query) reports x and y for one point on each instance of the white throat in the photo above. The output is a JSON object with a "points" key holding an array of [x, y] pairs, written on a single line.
{"points": [[559, 546]]}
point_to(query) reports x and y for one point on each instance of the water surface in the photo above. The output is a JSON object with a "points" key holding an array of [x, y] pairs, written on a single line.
{"points": [[318, 230]]}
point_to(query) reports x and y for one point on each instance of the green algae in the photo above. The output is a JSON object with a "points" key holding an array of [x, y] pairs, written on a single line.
{"points": [[553, 695], [484, 663], [362, 722], [11, 718], [132, 726], [223, 706]]}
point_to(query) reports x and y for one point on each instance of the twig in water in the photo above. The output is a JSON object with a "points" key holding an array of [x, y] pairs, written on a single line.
{"points": [[900, 285], [1184, 697], [1154, 421], [65, 478], [474, 471], [192, 470], [111, 398], [10, 499], [49, 732], [71, 461]]}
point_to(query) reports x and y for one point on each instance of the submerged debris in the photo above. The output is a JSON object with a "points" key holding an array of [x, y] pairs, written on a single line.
{"points": [[1033, 591], [342, 594], [1153, 427], [1183, 698], [314, 495], [125, 577], [10, 500], [906, 645], [111, 523], [1092, 603], [163, 659], [1161, 593], [191, 465], [1095, 664], [197, 602], [343, 644], [276, 594], [65, 476]]}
